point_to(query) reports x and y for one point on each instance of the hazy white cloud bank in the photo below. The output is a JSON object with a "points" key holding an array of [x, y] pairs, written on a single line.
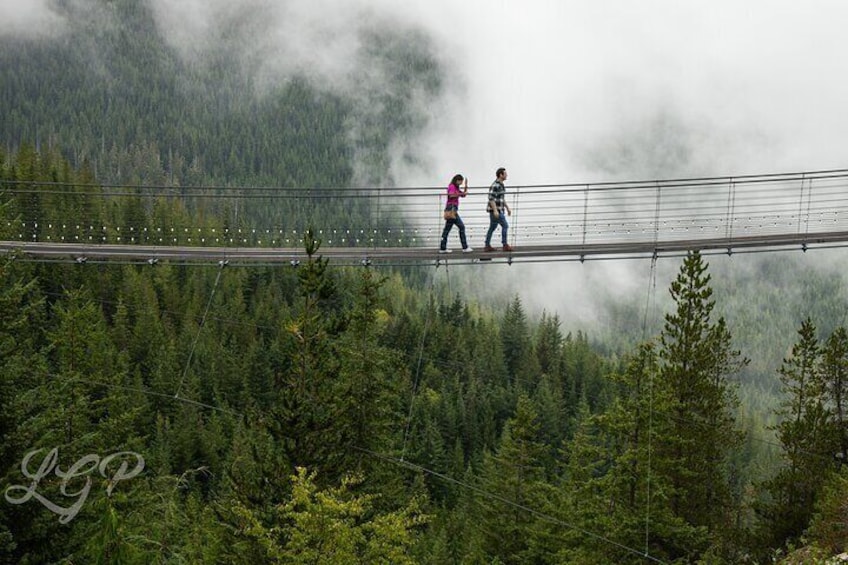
{"points": [[558, 91], [29, 18], [573, 91], [653, 88]]}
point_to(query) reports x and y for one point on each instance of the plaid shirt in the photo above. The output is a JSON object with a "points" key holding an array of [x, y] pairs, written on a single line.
{"points": [[497, 194]]}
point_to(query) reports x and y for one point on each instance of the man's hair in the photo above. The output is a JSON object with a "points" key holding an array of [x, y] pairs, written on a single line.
{"points": [[499, 172]]}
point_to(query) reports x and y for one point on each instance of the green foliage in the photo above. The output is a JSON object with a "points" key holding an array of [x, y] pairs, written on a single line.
{"points": [[259, 396], [834, 370], [654, 468], [829, 527], [811, 432], [697, 364], [332, 526], [515, 475]]}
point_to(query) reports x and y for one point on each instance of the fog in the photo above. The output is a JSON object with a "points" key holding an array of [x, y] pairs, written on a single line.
{"points": [[558, 92], [574, 92], [29, 18]]}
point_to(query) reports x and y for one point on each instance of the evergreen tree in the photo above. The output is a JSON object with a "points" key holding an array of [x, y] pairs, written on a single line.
{"points": [[834, 372], [515, 473], [828, 527], [304, 411], [549, 344], [806, 435], [697, 363], [367, 390], [517, 345], [331, 526], [21, 366], [617, 482]]}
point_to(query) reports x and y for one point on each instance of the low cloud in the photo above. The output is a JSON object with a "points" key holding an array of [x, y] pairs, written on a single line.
{"points": [[29, 19]]}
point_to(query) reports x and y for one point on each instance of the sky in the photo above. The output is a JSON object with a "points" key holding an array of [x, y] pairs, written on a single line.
{"points": [[563, 91]]}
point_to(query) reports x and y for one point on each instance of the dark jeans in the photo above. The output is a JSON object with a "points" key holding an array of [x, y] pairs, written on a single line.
{"points": [[495, 222], [448, 225]]}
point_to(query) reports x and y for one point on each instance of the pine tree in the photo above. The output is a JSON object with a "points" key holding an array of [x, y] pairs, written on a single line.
{"points": [[333, 525], [515, 473], [829, 527], [305, 411], [834, 372], [21, 364], [617, 480], [516, 343], [806, 435], [549, 344], [697, 363], [367, 388]]}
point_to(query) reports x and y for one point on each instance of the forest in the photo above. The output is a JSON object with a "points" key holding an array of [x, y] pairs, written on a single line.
{"points": [[178, 413]]}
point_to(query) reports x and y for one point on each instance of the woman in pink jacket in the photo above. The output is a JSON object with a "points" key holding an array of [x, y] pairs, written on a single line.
{"points": [[452, 213]]}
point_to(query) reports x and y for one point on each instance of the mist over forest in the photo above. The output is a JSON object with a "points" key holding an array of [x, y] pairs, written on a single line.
{"points": [[687, 410]]}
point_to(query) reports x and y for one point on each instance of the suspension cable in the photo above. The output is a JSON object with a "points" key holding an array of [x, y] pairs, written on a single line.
{"points": [[508, 502], [415, 382], [650, 305], [221, 265]]}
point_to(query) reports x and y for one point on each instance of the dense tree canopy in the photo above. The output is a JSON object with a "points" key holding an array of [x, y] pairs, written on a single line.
{"points": [[328, 414]]}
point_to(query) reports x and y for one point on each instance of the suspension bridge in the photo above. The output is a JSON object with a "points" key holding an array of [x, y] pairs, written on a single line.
{"points": [[555, 222]]}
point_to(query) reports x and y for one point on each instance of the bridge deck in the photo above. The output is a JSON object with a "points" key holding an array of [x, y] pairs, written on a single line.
{"points": [[549, 222], [357, 255]]}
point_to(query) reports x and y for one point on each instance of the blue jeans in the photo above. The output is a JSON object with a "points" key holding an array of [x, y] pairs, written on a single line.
{"points": [[495, 222], [448, 225]]}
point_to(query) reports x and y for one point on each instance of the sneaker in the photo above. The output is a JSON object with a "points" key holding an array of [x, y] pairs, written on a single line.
{"points": [[467, 250], [507, 247], [488, 248], [444, 251]]}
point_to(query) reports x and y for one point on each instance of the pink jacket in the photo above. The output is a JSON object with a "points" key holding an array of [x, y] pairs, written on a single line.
{"points": [[453, 195]]}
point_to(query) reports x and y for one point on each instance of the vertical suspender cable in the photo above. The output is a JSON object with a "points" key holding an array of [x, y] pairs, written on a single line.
{"points": [[417, 378], [515, 215], [807, 217], [731, 210], [585, 212], [801, 201], [650, 305], [374, 231], [657, 208]]}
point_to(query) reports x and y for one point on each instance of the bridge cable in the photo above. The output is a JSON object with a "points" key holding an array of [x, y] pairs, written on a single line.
{"points": [[416, 380], [650, 305], [731, 208], [515, 216], [801, 201], [221, 265], [585, 214], [156, 394], [807, 219], [507, 501]]}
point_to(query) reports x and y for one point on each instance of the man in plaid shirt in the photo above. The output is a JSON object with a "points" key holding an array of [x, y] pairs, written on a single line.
{"points": [[496, 208]]}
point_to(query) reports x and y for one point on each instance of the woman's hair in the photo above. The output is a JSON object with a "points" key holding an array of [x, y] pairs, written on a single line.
{"points": [[456, 180]]}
